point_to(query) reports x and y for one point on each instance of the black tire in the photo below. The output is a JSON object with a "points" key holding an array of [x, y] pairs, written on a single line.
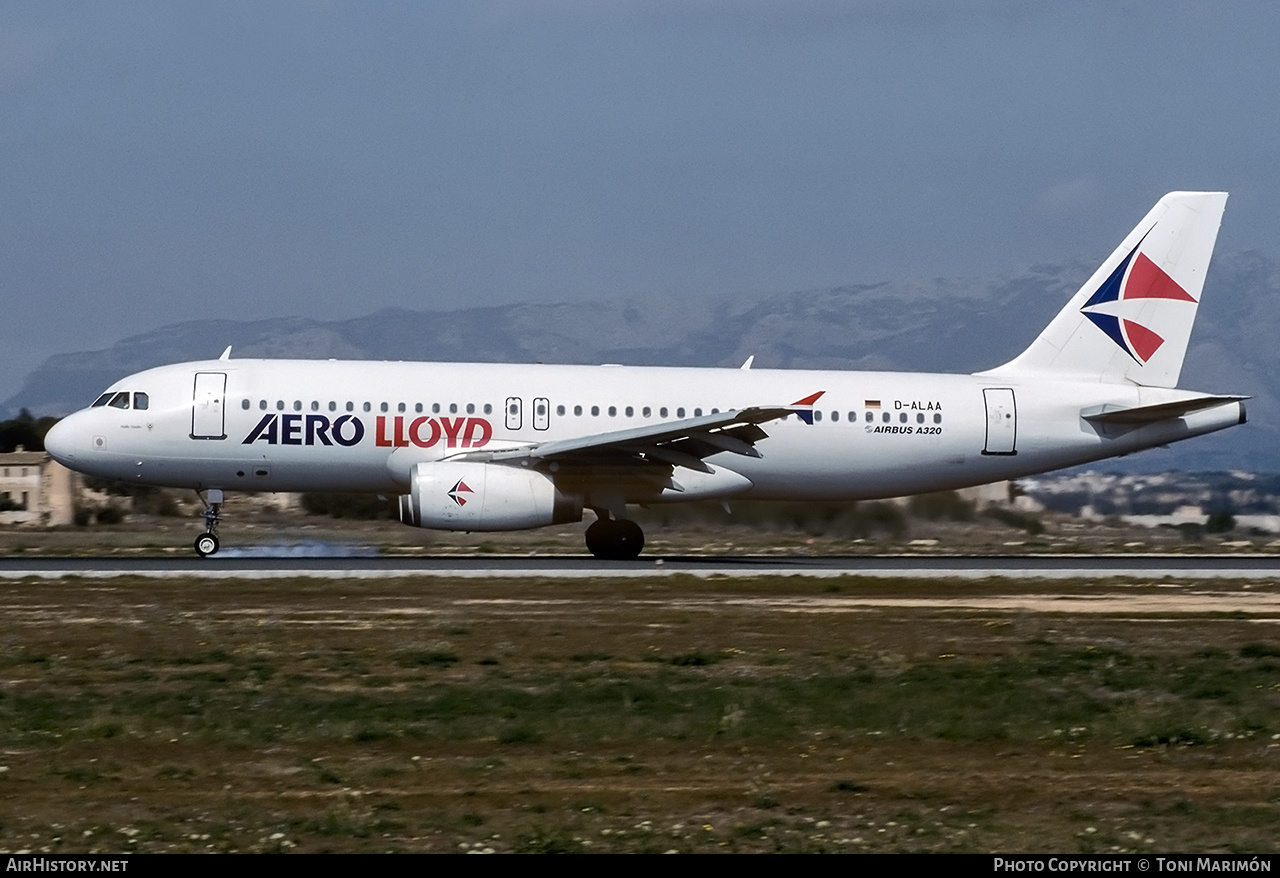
{"points": [[629, 540], [206, 544], [598, 538], [614, 540]]}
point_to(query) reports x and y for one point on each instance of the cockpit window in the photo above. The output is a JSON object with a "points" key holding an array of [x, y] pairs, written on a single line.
{"points": [[120, 400], [141, 400], [102, 400]]}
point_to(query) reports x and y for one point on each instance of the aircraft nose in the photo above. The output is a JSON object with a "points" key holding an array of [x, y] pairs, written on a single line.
{"points": [[60, 441]]}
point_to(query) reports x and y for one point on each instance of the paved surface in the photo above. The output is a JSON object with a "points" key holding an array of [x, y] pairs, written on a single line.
{"points": [[242, 565]]}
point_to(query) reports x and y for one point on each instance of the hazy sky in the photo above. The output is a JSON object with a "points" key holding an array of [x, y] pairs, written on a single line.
{"points": [[173, 161]]}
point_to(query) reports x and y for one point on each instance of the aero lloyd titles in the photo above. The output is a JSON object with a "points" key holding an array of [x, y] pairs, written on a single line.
{"points": [[393, 432]]}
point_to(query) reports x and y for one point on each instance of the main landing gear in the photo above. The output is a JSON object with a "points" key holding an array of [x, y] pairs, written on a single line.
{"points": [[615, 539], [207, 543]]}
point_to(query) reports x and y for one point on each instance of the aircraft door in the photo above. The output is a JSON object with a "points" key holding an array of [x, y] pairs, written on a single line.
{"points": [[513, 413], [207, 406], [1002, 421], [541, 414]]}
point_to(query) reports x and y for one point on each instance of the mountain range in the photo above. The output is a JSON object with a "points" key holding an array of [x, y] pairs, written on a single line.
{"points": [[937, 325]]}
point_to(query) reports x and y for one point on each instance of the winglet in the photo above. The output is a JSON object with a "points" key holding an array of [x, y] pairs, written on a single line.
{"points": [[226, 355], [747, 365], [804, 407]]}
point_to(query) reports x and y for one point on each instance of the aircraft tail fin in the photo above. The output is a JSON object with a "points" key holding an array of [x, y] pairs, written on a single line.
{"points": [[1131, 321]]}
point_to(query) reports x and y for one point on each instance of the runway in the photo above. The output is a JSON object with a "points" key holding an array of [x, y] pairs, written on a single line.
{"points": [[244, 565]]}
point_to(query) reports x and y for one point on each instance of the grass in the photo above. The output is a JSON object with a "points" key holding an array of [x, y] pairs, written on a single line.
{"points": [[659, 715]]}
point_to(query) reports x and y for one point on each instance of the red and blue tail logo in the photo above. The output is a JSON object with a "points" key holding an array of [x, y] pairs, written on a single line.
{"points": [[1145, 280]]}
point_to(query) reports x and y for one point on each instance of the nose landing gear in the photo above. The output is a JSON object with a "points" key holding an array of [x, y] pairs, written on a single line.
{"points": [[207, 543]]}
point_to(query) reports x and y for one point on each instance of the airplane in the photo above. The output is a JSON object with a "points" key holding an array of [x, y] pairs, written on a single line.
{"points": [[493, 447]]}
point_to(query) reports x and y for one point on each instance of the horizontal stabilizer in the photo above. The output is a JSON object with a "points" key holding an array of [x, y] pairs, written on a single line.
{"points": [[1145, 414]]}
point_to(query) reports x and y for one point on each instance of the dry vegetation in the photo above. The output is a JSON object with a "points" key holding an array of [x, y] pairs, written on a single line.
{"points": [[651, 715]]}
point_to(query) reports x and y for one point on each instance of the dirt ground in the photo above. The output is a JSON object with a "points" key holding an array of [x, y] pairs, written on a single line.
{"points": [[671, 714]]}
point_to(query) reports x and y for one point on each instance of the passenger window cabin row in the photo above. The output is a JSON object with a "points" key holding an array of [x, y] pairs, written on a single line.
{"points": [[315, 406], [594, 411], [124, 399]]}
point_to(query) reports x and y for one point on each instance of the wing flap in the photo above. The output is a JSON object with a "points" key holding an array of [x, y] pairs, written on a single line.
{"points": [[667, 454]]}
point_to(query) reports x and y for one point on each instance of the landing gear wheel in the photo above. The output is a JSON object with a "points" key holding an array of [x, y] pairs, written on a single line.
{"points": [[615, 540], [597, 537], [206, 544], [629, 539]]}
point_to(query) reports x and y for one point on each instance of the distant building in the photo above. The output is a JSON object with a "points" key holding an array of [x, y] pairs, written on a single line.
{"points": [[1003, 493], [36, 490]]}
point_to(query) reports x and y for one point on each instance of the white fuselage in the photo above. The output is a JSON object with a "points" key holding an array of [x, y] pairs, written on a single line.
{"points": [[299, 425]]}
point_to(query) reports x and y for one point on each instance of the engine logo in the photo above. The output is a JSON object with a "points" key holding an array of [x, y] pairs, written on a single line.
{"points": [[456, 492]]}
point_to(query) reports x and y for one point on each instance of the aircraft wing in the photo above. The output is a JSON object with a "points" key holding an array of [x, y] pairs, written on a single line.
{"points": [[671, 443]]}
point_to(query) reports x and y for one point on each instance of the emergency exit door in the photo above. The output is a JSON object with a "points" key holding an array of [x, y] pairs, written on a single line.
{"points": [[207, 406], [514, 409], [1002, 421]]}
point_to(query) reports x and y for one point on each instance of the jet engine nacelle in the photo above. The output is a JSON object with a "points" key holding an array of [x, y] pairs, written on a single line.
{"points": [[447, 495]]}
